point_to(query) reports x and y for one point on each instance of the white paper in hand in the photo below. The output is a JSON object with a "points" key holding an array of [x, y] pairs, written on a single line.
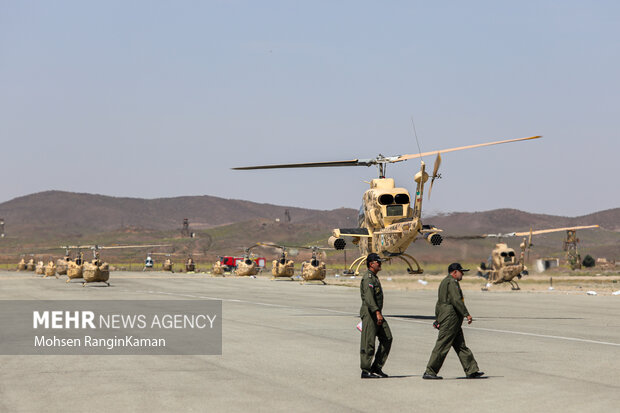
{"points": [[359, 326]]}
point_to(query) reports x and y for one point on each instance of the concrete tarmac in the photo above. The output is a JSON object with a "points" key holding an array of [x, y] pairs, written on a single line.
{"points": [[292, 347]]}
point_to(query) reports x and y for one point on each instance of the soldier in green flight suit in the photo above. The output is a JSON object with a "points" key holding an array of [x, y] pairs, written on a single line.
{"points": [[449, 312], [373, 323]]}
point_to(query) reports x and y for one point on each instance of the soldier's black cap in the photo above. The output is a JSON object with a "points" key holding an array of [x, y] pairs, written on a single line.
{"points": [[373, 257], [455, 266]]}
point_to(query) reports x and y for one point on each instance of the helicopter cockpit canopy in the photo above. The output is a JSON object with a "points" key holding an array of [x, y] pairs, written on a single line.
{"points": [[502, 255], [385, 204], [394, 203], [508, 256]]}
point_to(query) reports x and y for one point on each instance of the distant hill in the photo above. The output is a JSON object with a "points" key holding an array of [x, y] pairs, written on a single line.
{"points": [[509, 220], [56, 213]]}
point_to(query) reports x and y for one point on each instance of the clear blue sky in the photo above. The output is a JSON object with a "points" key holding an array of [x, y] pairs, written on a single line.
{"points": [[159, 99]]}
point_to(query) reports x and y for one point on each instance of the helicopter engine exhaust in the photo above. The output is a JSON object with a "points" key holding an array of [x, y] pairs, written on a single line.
{"points": [[336, 243], [433, 238]]}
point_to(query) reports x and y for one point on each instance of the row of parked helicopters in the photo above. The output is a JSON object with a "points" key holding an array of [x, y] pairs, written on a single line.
{"points": [[77, 268], [502, 266], [97, 270], [282, 267]]}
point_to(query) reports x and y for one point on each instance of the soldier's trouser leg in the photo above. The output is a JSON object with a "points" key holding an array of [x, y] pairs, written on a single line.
{"points": [[447, 333], [465, 355], [385, 344], [367, 342]]}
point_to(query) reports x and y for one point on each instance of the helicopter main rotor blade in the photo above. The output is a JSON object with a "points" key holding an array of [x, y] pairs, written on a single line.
{"points": [[518, 234], [132, 246], [76, 247], [464, 236], [546, 231], [378, 160], [460, 148], [270, 245], [352, 162]]}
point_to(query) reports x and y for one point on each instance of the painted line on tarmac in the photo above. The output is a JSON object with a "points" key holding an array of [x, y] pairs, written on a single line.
{"points": [[521, 333], [582, 340]]}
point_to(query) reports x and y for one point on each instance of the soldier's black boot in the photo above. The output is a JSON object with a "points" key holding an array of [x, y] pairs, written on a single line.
{"points": [[379, 372], [429, 376], [475, 375], [369, 375]]}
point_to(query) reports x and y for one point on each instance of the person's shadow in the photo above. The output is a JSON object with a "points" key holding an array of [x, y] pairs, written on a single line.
{"points": [[412, 317]]}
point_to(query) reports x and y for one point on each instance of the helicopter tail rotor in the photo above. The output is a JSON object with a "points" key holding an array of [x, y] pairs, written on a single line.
{"points": [[435, 174]]}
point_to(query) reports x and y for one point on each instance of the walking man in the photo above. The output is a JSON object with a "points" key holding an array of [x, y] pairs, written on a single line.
{"points": [[373, 323], [449, 312]]}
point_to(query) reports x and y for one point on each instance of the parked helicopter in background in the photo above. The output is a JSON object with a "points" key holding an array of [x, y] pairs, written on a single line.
{"points": [[39, 269], [388, 223], [190, 265], [314, 270], [21, 265], [219, 268], [167, 265], [283, 266], [503, 265], [148, 262], [247, 266]]}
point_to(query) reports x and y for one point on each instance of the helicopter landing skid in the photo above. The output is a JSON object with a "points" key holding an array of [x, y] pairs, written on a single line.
{"points": [[357, 263], [514, 286], [408, 258]]}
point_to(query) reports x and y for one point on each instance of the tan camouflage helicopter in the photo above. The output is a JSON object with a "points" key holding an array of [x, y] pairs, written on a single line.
{"points": [[503, 264], [281, 267], [247, 266], [39, 269], [50, 270], [74, 267], [218, 268], [190, 265], [62, 264], [168, 265], [389, 221], [314, 270]]}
